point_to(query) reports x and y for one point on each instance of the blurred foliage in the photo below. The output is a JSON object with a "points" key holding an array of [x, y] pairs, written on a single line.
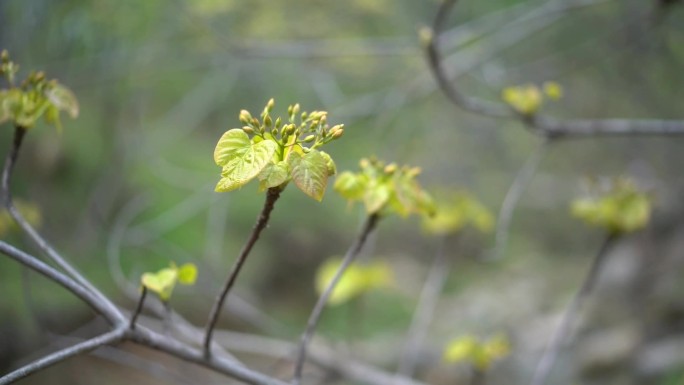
{"points": [[455, 212], [28, 210], [357, 279], [623, 208], [472, 351], [160, 81]]}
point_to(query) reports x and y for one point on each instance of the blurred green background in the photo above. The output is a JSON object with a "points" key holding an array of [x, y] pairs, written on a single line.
{"points": [[128, 186]]}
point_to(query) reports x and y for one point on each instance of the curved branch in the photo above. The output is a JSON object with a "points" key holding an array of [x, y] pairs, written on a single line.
{"points": [[546, 126], [513, 195], [47, 271], [37, 239], [83, 347], [311, 324]]}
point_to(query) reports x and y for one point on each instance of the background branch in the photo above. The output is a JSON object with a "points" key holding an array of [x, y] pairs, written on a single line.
{"points": [[352, 253]]}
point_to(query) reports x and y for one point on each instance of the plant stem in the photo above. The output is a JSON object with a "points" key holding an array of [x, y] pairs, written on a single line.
{"points": [[425, 309], [272, 196], [138, 308], [352, 253], [10, 161], [560, 334]]}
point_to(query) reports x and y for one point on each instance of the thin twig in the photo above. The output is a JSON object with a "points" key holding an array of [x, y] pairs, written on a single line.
{"points": [[544, 125], [272, 196], [138, 308], [422, 316], [49, 360], [560, 334], [37, 239], [513, 195], [311, 324], [65, 281]]}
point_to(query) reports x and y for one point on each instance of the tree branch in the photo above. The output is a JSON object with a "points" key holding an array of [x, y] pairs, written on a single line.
{"points": [[37, 239], [560, 334], [68, 283], [311, 324], [513, 195], [543, 125], [83, 347], [272, 196], [425, 309]]}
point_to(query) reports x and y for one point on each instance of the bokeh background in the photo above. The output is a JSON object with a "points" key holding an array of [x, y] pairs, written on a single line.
{"points": [[128, 186]]}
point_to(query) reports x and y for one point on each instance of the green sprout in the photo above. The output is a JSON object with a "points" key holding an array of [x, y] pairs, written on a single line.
{"points": [[277, 151], [480, 354], [622, 209], [357, 279], [34, 98], [163, 281], [527, 99], [385, 188]]}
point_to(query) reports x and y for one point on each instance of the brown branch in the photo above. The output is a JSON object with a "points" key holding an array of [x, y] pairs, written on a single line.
{"points": [[138, 308], [272, 196], [311, 324]]}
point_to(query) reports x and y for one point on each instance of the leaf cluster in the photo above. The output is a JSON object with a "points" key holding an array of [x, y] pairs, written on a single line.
{"points": [[277, 151], [34, 98], [622, 209], [385, 188], [163, 281], [481, 354], [357, 279], [457, 211], [527, 99]]}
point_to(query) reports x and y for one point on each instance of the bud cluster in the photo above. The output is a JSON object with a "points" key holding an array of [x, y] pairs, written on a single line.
{"points": [[8, 68], [379, 169], [307, 129]]}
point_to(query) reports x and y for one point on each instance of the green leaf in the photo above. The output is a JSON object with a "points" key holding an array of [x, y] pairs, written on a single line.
{"points": [[231, 143], [274, 174], [161, 282], [356, 280], [310, 173], [376, 197], [62, 98], [187, 274], [241, 159], [332, 169], [351, 186]]}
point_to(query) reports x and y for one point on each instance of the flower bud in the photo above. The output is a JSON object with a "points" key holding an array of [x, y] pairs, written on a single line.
{"points": [[248, 129], [309, 138], [268, 121], [270, 104], [278, 122], [245, 116]]}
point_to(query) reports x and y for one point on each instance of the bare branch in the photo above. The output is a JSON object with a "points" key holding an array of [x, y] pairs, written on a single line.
{"points": [[138, 308], [422, 316], [37, 239], [214, 362], [47, 271], [560, 334], [513, 195], [311, 324], [543, 125], [83, 347], [272, 196]]}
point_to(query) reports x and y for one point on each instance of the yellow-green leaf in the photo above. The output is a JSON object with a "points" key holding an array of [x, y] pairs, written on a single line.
{"points": [[310, 173], [274, 174], [241, 159], [332, 169], [187, 274], [62, 98], [376, 197], [356, 280], [161, 282], [351, 186]]}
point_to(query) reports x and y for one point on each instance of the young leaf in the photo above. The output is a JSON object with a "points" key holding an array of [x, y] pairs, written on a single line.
{"points": [[310, 173], [187, 274], [161, 282], [351, 186], [241, 159], [62, 98], [376, 197], [274, 174], [357, 279]]}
